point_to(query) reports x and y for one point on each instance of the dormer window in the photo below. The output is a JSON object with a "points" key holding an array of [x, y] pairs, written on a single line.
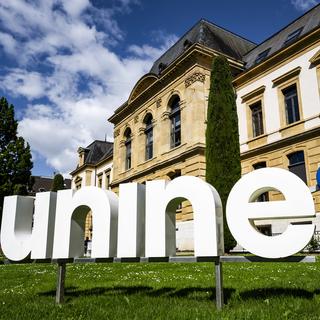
{"points": [[262, 55], [293, 36], [161, 67]]}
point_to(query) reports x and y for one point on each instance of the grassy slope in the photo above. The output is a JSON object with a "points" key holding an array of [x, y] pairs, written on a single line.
{"points": [[161, 291]]}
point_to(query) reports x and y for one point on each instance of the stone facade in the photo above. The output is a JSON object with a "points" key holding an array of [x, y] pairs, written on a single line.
{"points": [[269, 134]]}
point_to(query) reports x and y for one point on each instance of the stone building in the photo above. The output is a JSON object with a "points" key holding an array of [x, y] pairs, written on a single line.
{"points": [[279, 108], [159, 132]]}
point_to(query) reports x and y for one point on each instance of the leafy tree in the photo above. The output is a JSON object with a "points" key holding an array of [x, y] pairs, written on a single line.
{"points": [[58, 183], [223, 167], [15, 156]]}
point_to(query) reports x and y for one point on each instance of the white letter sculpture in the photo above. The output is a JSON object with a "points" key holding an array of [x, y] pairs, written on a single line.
{"points": [[18, 239], [162, 199], [72, 209], [242, 210], [131, 220]]}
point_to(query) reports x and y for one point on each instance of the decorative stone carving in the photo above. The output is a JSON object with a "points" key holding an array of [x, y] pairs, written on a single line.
{"points": [[136, 119], [197, 76], [116, 133], [141, 131], [165, 115], [158, 103]]}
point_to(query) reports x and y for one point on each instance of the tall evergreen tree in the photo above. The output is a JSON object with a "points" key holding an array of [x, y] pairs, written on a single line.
{"points": [[15, 156], [58, 183], [223, 167]]}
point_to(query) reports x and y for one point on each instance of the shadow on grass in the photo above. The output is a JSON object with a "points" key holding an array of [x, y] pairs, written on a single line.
{"points": [[194, 293], [264, 293], [197, 293]]}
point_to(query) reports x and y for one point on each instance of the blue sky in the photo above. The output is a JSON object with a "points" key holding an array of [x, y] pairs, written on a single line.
{"points": [[66, 65]]}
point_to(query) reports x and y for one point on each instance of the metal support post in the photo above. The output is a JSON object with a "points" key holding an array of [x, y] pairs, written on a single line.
{"points": [[219, 284], [61, 275]]}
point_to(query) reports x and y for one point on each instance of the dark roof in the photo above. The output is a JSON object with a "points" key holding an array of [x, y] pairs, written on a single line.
{"points": [[42, 184], [309, 21], [209, 35], [97, 151]]}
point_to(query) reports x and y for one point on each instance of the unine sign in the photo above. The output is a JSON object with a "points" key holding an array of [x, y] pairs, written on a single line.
{"points": [[141, 222]]}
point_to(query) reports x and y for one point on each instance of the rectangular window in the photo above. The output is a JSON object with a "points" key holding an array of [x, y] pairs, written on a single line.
{"points": [[293, 36], [257, 119], [100, 180], [128, 155], [149, 144], [297, 165], [107, 180], [291, 104], [262, 55], [175, 130], [78, 184]]}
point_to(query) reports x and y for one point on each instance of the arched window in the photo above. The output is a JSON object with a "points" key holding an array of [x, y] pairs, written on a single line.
{"points": [[127, 135], [297, 165], [172, 175], [175, 118], [149, 136], [264, 196]]}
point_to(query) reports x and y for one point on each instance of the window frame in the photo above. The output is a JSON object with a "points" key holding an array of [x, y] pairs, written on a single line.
{"points": [[290, 39], [292, 112], [257, 130], [295, 165], [148, 137], [107, 183], [282, 83], [100, 180], [78, 183], [175, 113], [261, 56], [128, 149], [254, 97], [315, 62]]}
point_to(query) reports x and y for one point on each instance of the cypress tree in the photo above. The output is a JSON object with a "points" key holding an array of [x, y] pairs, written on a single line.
{"points": [[15, 156], [223, 167], [58, 183]]}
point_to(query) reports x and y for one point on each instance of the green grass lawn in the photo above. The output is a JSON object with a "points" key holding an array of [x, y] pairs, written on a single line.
{"points": [[161, 291]]}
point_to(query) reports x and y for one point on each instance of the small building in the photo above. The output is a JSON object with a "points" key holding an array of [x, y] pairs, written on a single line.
{"points": [[42, 184], [94, 169]]}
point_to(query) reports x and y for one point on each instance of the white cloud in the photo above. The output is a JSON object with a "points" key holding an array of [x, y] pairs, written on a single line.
{"points": [[304, 5], [75, 7], [68, 61], [8, 43], [22, 82]]}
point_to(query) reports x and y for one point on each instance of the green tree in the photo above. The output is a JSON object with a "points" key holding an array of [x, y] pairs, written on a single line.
{"points": [[58, 183], [223, 167], [15, 156]]}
